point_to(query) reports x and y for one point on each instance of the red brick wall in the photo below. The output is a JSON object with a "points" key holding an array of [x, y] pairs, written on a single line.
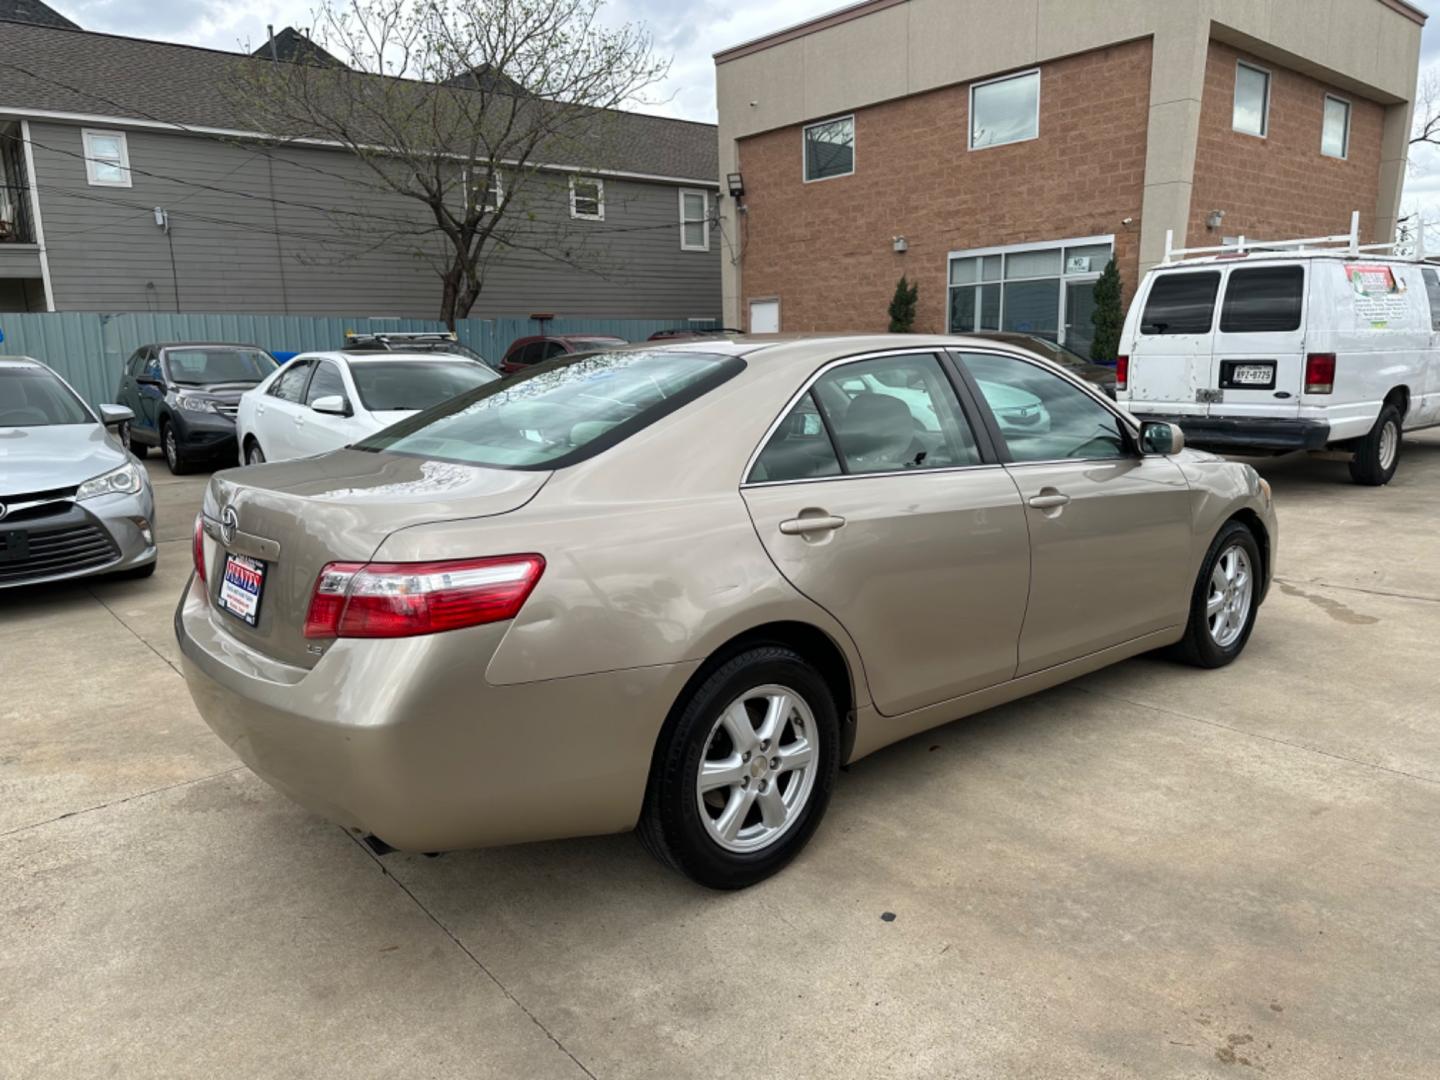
{"points": [[825, 248], [1281, 187]]}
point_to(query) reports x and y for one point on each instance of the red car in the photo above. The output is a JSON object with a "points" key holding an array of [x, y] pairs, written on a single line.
{"points": [[525, 351]]}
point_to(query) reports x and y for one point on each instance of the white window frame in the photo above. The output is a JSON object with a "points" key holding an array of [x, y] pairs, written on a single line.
{"points": [[466, 174], [91, 177], [599, 198], [970, 119], [704, 219], [854, 150], [1016, 249], [1344, 154], [1264, 132]]}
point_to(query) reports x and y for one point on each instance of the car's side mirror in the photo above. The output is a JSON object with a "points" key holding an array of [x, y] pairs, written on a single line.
{"points": [[1159, 438], [115, 415], [333, 404]]}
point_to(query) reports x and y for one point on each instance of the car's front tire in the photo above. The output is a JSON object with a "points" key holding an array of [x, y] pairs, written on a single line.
{"points": [[744, 771], [127, 440], [174, 456], [1225, 600], [1377, 455]]}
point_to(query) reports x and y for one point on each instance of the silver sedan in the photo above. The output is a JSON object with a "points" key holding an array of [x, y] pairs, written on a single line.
{"points": [[73, 502]]}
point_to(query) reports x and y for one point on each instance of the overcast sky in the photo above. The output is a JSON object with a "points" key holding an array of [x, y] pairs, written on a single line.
{"points": [[690, 31]]}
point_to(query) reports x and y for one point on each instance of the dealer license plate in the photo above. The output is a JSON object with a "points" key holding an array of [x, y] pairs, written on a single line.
{"points": [[241, 586], [1253, 374]]}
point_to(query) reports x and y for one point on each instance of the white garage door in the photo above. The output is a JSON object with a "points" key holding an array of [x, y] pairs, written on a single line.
{"points": [[764, 316]]}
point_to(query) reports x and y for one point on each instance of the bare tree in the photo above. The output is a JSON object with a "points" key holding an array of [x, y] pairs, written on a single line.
{"points": [[1426, 127], [467, 118]]}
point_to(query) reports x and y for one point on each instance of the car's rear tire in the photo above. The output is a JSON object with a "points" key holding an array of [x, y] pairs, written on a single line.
{"points": [[1225, 600], [1377, 455], [174, 457], [763, 727], [253, 454], [127, 440]]}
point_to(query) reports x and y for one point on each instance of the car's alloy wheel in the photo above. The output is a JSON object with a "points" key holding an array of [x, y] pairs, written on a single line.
{"points": [[1224, 601], [129, 443], [757, 770], [253, 454], [172, 451], [1232, 589], [743, 769]]}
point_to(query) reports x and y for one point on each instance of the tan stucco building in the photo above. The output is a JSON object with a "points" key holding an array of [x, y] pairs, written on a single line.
{"points": [[997, 152]]}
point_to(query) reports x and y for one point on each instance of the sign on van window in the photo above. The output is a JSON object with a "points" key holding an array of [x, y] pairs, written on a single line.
{"points": [[1379, 295]]}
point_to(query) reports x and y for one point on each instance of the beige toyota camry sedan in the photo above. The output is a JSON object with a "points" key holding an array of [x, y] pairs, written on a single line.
{"points": [[675, 588]]}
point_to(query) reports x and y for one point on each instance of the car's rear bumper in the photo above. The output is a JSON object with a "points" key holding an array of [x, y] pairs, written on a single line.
{"points": [[1239, 434], [406, 740]]}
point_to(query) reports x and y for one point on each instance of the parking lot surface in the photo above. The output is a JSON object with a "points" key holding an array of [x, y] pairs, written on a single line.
{"points": [[1152, 872]]}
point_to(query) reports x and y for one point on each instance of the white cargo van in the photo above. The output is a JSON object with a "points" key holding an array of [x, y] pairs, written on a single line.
{"points": [[1319, 344]]}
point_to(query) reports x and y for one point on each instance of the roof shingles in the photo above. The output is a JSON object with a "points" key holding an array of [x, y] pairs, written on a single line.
{"points": [[70, 71]]}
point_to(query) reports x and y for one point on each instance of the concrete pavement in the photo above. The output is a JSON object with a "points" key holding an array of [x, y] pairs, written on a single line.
{"points": [[1151, 872]]}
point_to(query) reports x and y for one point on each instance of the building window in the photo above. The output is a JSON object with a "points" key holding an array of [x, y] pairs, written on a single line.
{"points": [[1335, 137], [107, 159], [587, 198], [1046, 290], [494, 189], [694, 220], [1005, 110], [830, 149], [1252, 100]]}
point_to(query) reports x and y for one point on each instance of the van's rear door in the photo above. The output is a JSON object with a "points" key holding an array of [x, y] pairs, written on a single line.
{"points": [[1170, 359], [1259, 353]]}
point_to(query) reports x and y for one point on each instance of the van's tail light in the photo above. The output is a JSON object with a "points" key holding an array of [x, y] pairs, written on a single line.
{"points": [[387, 600], [1320, 373], [197, 547], [1122, 373]]}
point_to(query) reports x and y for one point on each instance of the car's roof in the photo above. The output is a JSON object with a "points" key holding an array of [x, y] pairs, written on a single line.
{"points": [[21, 362], [378, 357], [1250, 258], [202, 345]]}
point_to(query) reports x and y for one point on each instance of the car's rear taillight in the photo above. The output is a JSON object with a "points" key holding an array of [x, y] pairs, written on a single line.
{"points": [[1122, 373], [197, 547], [1320, 373], [386, 600]]}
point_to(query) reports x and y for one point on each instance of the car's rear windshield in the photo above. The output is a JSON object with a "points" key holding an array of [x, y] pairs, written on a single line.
{"points": [[558, 413], [32, 397], [385, 385], [200, 367]]}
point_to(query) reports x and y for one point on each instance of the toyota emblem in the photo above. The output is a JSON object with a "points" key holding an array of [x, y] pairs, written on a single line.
{"points": [[229, 522], [3, 511]]}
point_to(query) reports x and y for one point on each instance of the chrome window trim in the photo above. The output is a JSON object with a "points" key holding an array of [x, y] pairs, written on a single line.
{"points": [[870, 475], [936, 351]]}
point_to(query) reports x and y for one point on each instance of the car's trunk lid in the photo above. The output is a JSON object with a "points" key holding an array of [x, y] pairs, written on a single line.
{"points": [[296, 516]]}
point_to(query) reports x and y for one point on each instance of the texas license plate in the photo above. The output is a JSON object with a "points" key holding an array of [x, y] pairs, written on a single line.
{"points": [[1253, 374], [240, 588]]}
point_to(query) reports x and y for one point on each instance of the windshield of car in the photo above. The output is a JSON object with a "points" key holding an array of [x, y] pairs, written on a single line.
{"points": [[385, 385], [200, 367], [558, 413], [32, 397]]}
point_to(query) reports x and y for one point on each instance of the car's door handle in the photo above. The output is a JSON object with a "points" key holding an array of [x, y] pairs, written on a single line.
{"points": [[1049, 502], [801, 525]]}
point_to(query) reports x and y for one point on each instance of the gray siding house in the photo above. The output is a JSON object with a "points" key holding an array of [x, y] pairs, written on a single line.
{"points": [[127, 184]]}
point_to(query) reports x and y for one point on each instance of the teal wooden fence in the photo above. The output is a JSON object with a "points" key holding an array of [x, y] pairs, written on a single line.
{"points": [[88, 349]]}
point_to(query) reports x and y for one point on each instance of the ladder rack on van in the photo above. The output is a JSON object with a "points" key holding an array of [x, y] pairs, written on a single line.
{"points": [[1345, 243]]}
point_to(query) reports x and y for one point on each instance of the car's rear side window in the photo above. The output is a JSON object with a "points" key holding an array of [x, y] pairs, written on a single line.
{"points": [[553, 416], [1181, 304], [1263, 300]]}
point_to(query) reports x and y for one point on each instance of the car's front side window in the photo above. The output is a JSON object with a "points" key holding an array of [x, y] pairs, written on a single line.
{"points": [[1043, 416]]}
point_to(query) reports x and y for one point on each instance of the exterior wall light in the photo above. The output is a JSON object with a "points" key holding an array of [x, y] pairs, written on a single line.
{"points": [[900, 244], [736, 184]]}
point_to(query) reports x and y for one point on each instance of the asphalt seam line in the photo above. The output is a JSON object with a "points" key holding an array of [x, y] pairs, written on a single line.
{"points": [[1258, 735], [120, 801], [132, 632], [466, 950]]}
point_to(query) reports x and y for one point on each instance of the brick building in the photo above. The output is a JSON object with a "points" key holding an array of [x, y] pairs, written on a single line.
{"points": [[998, 152]]}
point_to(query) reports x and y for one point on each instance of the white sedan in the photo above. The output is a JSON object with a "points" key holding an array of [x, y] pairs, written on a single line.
{"points": [[325, 400]]}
